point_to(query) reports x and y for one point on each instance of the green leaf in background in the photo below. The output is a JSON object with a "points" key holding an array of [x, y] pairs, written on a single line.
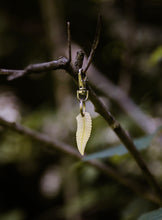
{"points": [[140, 143], [154, 215], [156, 56], [12, 215]]}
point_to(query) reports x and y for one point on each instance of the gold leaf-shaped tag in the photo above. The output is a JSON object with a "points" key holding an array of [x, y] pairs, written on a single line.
{"points": [[84, 127]]}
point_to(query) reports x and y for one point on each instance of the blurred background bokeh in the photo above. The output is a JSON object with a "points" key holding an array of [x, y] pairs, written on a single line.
{"points": [[39, 185]]}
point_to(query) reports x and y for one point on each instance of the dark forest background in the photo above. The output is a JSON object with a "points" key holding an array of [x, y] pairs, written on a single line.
{"points": [[40, 185]]}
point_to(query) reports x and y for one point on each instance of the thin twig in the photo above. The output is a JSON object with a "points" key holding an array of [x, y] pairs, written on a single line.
{"points": [[9, 72], [55, 144], [94, 45], [69, 40], [61, 63]]}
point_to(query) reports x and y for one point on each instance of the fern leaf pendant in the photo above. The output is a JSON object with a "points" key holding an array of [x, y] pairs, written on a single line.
{"points": [[84, 127]]}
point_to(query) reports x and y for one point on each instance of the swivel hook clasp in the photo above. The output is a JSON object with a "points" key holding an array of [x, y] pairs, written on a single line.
{"points": [[82, 93]]}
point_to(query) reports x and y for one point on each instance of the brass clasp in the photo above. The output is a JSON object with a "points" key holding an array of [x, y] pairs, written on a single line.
{"points": [[82, 93]]}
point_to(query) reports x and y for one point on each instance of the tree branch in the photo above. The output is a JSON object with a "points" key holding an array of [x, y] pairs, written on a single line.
{"points": [[61, 63], [60, 146], [42, 138]]}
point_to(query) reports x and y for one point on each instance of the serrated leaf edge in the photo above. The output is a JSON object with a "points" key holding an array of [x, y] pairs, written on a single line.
{"points": [[84, 127]]}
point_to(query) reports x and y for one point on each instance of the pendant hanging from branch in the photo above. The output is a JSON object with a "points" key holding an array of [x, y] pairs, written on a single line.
{"points": [[84, 121]]}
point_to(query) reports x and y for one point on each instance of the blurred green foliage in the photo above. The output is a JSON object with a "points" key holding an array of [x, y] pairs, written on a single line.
{"points": [[156, 56], [154, 215], [140, 143], [13, 215]]}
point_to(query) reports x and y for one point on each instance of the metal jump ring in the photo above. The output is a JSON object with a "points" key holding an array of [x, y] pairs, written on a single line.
{"points": [[82, 108]]}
